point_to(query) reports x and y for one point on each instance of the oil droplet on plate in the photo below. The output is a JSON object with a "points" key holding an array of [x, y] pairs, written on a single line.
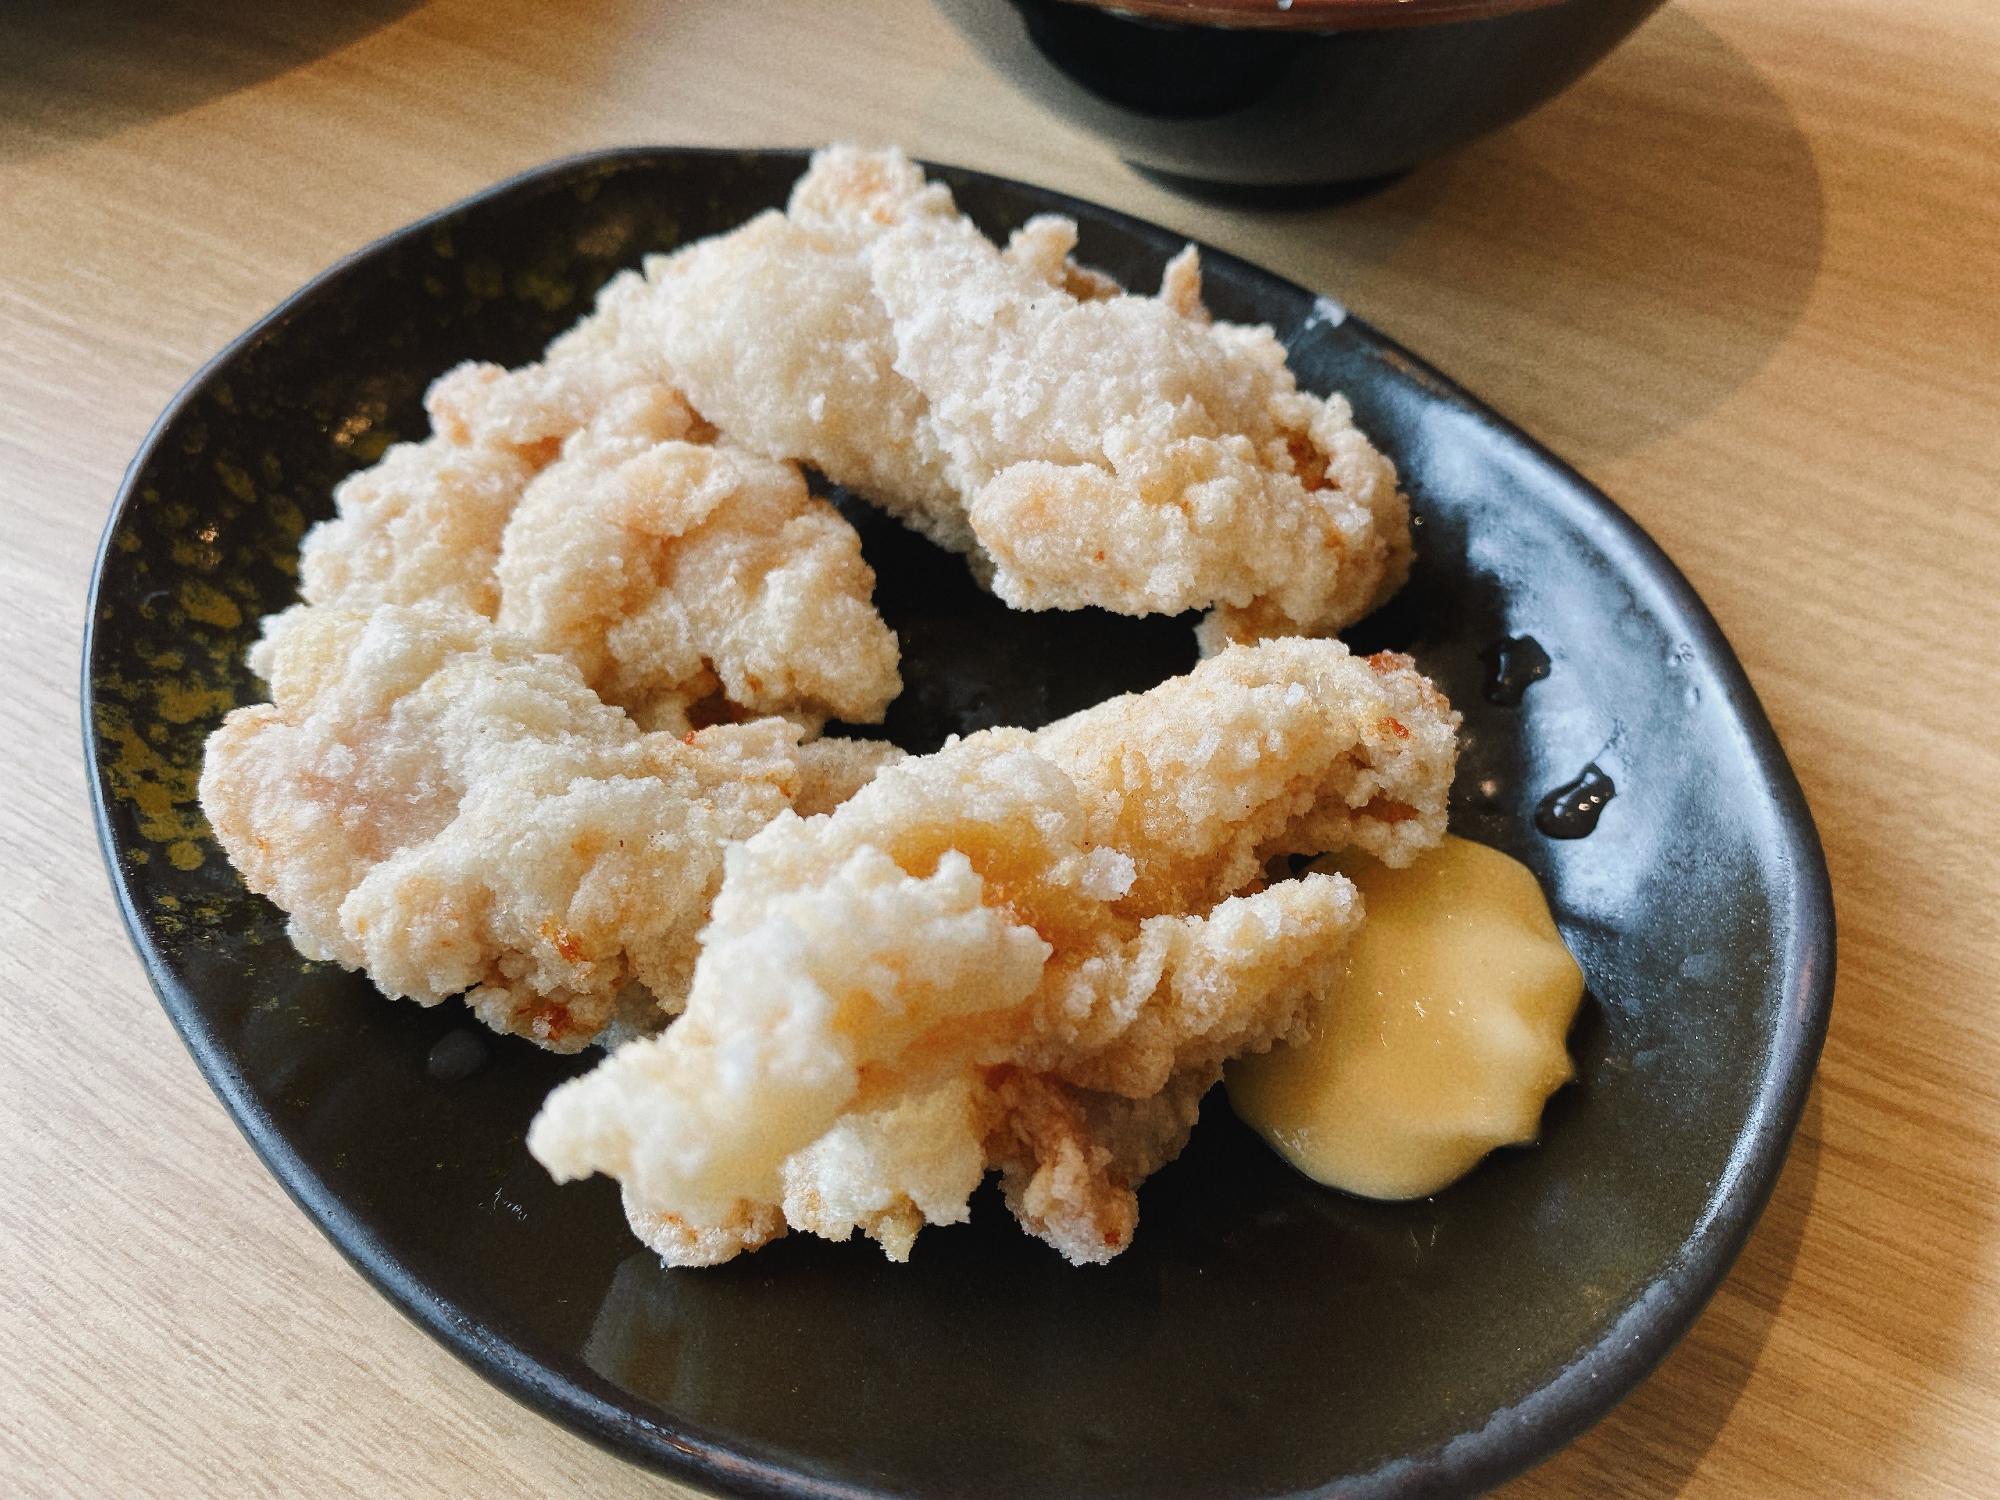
{"points": [[1513, 666], [1571, 810]]}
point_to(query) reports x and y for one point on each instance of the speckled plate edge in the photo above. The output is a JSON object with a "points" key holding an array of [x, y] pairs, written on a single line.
{"points": [[1513, 1439]]}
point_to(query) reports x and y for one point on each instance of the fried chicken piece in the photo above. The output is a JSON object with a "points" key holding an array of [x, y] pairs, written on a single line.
{"points": [[1129, 453], [1071, 925], [776, 332], [777, 336], [690, 582], [1080, 446], [529, 411], [800, 992], [433, 801], [424, 523]]}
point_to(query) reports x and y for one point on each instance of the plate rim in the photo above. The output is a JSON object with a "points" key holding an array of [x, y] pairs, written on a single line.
{"points": [[1512, 1439]]}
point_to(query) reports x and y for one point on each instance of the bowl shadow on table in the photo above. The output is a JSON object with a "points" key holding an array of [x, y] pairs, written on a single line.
{"points": [[83, 70], [1698, 283]]}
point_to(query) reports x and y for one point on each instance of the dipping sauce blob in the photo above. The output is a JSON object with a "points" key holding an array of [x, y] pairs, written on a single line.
{"points": [[1443, 1040]]}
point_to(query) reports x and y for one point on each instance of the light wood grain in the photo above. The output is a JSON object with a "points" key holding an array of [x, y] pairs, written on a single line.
{"points": [[1746, 275]]}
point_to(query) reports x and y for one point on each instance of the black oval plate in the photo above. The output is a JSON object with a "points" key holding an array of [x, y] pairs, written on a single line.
{"points": [[1263, 1336]]}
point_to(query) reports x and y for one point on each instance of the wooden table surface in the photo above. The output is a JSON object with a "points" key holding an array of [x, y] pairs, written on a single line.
{"points": [[1746, 276]]}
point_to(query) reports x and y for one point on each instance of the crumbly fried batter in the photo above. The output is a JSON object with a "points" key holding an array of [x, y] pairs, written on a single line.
{"points": [[425, 522], [801, 989], [1071, 1160], [1043, 247], [776, 334], [1070, 925], [531, 410], [430, 799], [422, 524], [746, 1226], [692, 582], [888, 1172], [1206, 776], [1081, 446], [834, 768], [581, 501], [1129, 453]]}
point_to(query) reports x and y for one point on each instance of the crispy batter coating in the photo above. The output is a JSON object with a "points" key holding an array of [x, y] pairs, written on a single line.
{"points": [[1070, 926], [1043, 248], [1081, 446], [531, 410], [1207, 776], [888, 1172], [777, 336], [422, 524], [1127, 453], [582, 502], [1071, 1160], [425, 522], [800, 992], [430, 799], [690, 582], [746, 1226], [834, 768]]}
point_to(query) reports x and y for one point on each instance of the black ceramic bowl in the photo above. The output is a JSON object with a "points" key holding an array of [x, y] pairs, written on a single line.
{"points": [[1263, 1336], [1310, 93]]}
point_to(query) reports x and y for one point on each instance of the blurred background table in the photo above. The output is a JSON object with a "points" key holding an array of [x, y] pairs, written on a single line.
{"points": [[1746, 276]]}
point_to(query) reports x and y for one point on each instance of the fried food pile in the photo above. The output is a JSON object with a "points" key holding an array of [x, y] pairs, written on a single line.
{"points": [[1082, 446], [434, 801], [688, 579], [548, 663], [545, 728], [1043, 945]]}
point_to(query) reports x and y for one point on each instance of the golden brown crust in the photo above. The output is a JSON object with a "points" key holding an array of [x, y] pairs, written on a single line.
{"points": [[1071, 1161]]}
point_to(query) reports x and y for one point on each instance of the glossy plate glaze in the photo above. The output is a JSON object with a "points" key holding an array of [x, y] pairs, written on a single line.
{"points": [[1263, 1336]]}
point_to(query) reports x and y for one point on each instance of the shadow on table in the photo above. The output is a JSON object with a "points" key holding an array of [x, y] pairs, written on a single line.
{"points": [[1667, 205], [1880, 1301], [1653, 1443], [79, 70]]}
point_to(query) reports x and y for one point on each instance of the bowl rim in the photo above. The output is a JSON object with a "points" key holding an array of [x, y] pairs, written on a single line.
{"points": [[1312, 15], [1514, 1438]]}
